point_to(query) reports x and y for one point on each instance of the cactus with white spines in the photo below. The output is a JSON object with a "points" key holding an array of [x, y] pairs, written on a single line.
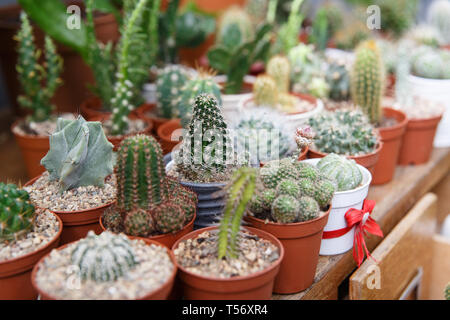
{"points": [[278, 67], [342, 170], [169, 86]]}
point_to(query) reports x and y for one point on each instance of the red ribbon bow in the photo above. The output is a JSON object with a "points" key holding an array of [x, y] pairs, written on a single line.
{"points": [[364, 224]]}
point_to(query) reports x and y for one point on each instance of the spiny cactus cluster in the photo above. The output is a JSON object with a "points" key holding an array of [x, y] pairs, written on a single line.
{"points": [[79, 155], [31, 75], [17, 213], [169, 83], [342, 170], [148, 203], [344, 132], [431, 63], [338, 80], [367, 80], [103, 258], [239, 192], [290, 191]]}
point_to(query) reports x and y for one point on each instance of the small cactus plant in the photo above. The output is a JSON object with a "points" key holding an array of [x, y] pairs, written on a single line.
{"points": [[338, 80], [17, 213], [438, 16], [31, 75], [169, 217], [169, 83], [103, 258], [234, 28], [279, 69], [285, 209], [138, 222], [342, 170], [308, 208], [367, 80], [79, 155], [265, 92]]}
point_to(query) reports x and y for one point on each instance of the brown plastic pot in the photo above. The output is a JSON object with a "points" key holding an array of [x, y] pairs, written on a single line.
{"points": [[164, 133], [76, 224], [257, 286], [301, 242], [418, 140], [392, 141], [33, 149], [160, 293], [368, 161], [147, 112], [15, 274]]}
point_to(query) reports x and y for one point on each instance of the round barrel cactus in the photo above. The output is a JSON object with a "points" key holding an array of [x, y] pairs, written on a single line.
{"points": [[342, 170]]}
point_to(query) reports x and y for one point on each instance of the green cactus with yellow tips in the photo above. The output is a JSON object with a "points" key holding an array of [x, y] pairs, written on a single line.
{"points": [[265, 91], [279, 69]]}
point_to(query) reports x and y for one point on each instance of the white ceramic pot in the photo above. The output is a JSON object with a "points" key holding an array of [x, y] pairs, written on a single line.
{"points": [[343, 201], [437, 91]]}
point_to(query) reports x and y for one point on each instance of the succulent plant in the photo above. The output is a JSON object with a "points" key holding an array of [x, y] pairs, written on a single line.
{"points": [[324, 191], [338, 80], [79, 155], [303, 138], [239, 192], [257, 11], [289, 187], [287, 34], [169, 217], [430, 63], [439, 17], [344, 132], [351, 35], [318, 87], [265, 92], [103, 258], [367, 80], [234, 28], [342, 170], [285, 209], [169, 86], [279, 69], [308, 208], [397, 16], [139, 223], [31, 75], [17, 213], [275, 171]]}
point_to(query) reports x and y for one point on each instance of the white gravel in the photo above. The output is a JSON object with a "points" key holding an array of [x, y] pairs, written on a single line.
{"points": [[44, 128]]}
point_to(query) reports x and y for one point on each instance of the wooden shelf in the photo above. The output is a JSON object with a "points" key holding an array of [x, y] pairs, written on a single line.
{"points": [[393, 202]]}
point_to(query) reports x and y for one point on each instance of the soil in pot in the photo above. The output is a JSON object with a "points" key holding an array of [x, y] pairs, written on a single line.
{"points": [[79, 208], [142, 270], [250, 276], [165, 132], [391, 129], [91, 108], [18, 257]]}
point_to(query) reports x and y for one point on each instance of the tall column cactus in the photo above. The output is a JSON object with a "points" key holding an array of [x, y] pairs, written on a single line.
{"points": [[31, 75], [367, 80], [265, 91], [279, 69]]}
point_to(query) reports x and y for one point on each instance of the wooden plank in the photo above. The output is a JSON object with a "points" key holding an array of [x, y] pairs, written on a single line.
{"points": [[442, 190], [393, 201], [399, 256], [440, 271]]}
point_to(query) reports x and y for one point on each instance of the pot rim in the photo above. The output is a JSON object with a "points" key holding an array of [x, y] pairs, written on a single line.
{"points": [[173, 122], [271, 267], [399, 124], [103, 118], [430, 119], [197, 184], [422, 79], [301, 96], [367, 155], [147, 241]]}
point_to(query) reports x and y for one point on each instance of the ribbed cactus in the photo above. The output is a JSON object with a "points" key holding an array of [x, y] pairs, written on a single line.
{"points": [[79, 155], [103, 258], [324, 191], [275, 171], [139, 223], [342, 170], [169, 86], [338, 80], [430, 63], [17, 213], [344, 133], [32, 75], [169, 217], [367, 80], [289, 187], [279, 69], [265, 92], [240, 190], [285, 209]]}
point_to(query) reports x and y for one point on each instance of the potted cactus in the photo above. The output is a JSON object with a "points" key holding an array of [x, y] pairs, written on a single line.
{"points": [[26, 234], [229, 262], [32, 133], [106, 267], [438, 17], [148, 204], [367, 87], [78, 184], [292, 202], [338, 79], [345, 132]]}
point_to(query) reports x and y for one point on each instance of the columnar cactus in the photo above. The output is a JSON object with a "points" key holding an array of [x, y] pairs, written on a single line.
{"points": [[279, 69], [367, 80], [168, 90], [265, 92], [338, 80], [17, 213], [103, 258], [342, 170], [79, 155], [439, 17], [31, 75]]}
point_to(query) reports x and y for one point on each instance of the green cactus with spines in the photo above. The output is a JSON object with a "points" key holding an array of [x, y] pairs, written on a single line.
{"points": [[309, 172], [169, 86], [103, 258], [278, 67], [239, 192], [342, 170], [289, 187], [367, 80], [79, 155], [338, 79], [186, 203], [234, 28], [255, 204], [265, 91], [275, 171], [112, 219], [169, 217], [344, 132], [17, 213], [307, 187], [430, 63], [285, 209], [139, 223], [324, 192], [308, 208], [32, 75]]}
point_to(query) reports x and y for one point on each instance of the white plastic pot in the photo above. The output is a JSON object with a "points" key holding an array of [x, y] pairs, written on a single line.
{"points": [[438, 91], [341, 203]]}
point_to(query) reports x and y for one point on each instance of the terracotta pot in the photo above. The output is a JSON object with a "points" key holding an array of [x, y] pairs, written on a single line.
{"points": [[91, 109], [76, 224], [160, 293], [216, 5], [368, 161], [33, 149], [167, 239], [392, 141], [192, 56], [165, 131], [15, 274], [418, 140], [257, 286], [145, 113], [301, 242]]}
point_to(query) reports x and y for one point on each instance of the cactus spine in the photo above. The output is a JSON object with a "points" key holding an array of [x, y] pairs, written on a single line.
{"points": [[342, 170], [279, 69], [367, 80], [168, 89]]}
